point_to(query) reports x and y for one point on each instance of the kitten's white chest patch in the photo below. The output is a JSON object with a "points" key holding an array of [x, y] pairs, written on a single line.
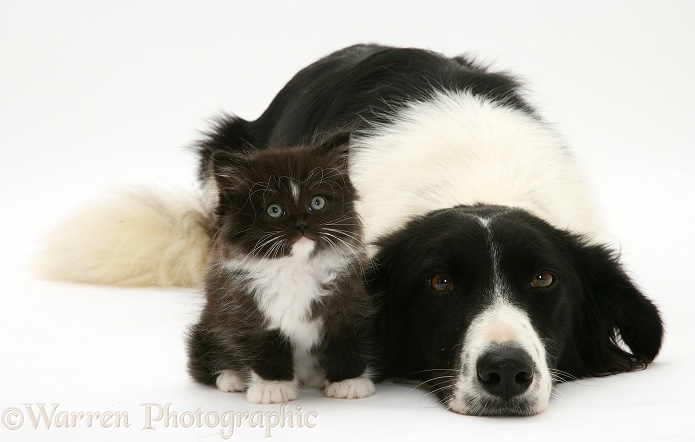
{"points": [[285, 289]]}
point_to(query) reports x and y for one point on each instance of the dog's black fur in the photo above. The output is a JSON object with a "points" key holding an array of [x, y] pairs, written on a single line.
{"points": [[357, 85]]}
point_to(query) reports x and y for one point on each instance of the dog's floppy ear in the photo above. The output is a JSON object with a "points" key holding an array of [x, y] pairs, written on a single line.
{"points": [[612, 308], [390, 323], [378, 283]]}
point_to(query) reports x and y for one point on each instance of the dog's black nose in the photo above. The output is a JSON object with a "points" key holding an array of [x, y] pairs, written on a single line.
{"points": [[505, 371]]}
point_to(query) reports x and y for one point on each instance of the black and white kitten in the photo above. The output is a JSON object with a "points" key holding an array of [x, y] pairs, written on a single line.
{"points": [[285, 298]]}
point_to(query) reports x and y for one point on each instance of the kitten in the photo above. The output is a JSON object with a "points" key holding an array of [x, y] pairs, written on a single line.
{"points": [[285, 298]]}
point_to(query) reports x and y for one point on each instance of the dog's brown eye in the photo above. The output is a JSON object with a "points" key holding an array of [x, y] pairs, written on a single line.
{"points": [[441, 283], [543, 280]]}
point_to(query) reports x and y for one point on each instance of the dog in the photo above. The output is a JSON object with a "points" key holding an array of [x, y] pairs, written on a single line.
{"points": [[489, 272]]}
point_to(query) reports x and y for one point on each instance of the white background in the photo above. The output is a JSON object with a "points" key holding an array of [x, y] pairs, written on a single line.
{"points": [[97, 95]]}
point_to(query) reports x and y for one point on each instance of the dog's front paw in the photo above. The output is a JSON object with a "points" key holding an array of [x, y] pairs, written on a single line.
{"points": [[270, 392], [230, 381], [355, 388]]}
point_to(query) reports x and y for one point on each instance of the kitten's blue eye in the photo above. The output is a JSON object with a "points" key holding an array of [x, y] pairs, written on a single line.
{"points": [[275, 211], [317, 203]]}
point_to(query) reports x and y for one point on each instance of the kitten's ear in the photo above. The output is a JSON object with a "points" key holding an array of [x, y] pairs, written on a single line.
{"points": [[230, 169], [334, 144]]}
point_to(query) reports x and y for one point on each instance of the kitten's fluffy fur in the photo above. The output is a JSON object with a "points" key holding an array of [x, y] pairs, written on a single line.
{"points": [[286, 303]]}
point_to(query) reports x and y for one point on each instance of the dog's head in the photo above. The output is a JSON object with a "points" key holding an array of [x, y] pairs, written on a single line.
{"points": [[491, 306]]}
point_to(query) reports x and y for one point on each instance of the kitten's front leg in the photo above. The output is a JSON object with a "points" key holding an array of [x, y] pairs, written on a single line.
{"points": [[272, 371], [346, 366]]}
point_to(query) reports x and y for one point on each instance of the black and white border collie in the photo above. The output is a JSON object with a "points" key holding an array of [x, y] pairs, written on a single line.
{"points": [[489, 274]]}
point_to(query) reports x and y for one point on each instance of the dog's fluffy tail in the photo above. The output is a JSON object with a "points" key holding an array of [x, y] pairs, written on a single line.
{"points": [[138, 238]]}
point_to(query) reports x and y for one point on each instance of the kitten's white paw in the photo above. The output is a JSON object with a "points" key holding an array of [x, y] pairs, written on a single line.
{"points": [[230, 381], [270, 392], [355, 388]]}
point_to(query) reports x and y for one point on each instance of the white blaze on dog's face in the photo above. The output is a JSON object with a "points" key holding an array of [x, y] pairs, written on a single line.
{"points": [[490, 305], [502, 360]]}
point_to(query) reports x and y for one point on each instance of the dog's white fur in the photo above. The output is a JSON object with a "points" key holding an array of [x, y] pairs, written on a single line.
{"points": [[136, 238], [458, 148]]}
